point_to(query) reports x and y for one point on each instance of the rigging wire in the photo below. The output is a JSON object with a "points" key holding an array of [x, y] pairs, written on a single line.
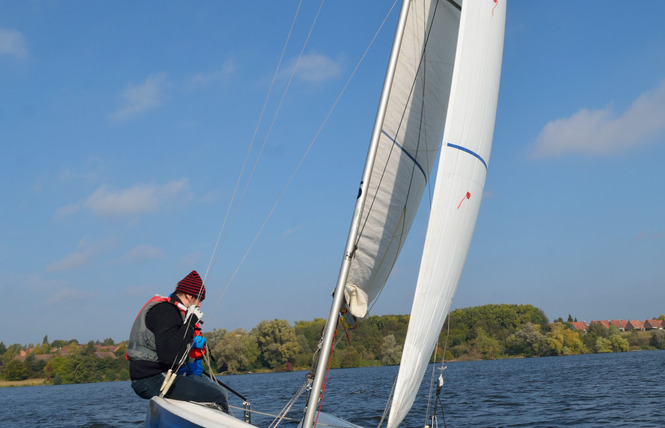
{"points": [[293, 71], [217, 247], [314, 139]]}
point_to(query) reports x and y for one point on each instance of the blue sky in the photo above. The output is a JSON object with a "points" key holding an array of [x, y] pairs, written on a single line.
{"points": [[124, 127]]}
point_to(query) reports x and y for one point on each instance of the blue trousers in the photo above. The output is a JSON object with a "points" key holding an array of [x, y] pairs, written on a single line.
{"points": [[186, 388]]}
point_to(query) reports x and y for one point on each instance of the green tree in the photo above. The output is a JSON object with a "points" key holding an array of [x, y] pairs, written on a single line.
{"points": [[619, 344], [276, 341], [603, 345], [556, 339], [528, 341], [58, 344], [236, 351], [11, 352], [658, 339], [487, 347], [391, 351], [572, 343], [15, 370], [594, 332], [34, 367]]}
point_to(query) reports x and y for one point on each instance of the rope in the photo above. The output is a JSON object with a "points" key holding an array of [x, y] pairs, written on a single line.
{"points": [[385, 410], [287, 408]]}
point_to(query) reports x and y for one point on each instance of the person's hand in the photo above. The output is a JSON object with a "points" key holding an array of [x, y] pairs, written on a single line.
{"points": [[199, 342], [195, 311]]}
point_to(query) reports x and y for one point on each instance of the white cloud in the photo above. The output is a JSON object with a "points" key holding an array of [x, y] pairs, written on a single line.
{"points": [[142, 252], [66, 294], [141, 98], [602, 132], [13, 43], [288, 232], [114, 203], [69, 262], [204, 79], [316, 68], [81, 256]]}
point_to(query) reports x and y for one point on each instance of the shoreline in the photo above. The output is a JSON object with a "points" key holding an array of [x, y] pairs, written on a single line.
{"points": [[26, 382]]}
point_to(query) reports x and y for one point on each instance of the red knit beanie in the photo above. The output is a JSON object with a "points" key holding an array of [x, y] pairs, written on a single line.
{"points": [[192, 285]]}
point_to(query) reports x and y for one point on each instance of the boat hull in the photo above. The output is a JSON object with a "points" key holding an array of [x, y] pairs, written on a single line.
{"points": [[166, 412]]}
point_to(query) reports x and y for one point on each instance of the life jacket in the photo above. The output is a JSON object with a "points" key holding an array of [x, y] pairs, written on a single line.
{"points": [[142, 342]]}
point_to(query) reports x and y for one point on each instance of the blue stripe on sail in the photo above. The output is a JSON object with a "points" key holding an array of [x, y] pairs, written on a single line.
{"points": [[464, 149], [406, 153]]}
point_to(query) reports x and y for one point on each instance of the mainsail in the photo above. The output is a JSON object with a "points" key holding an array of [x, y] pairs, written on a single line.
{"points": [[409, 141], [458, 190]]}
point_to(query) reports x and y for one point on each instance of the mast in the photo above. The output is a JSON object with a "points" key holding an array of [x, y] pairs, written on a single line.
{"points": [[331, 323]]}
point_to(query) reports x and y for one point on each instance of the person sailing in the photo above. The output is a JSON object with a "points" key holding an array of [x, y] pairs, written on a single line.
{"points": [[163, 331]]}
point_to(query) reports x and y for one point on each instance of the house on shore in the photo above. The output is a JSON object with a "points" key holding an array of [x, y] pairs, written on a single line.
{"points": [[635, 325], [622, 325], [653, 324], [580, 326], [604, 323], [619, 323]]}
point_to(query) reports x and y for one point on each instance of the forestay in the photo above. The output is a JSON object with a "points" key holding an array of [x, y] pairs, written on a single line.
{"points": [[458, 189]]}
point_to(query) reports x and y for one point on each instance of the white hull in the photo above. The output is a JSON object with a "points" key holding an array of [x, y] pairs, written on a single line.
{"points": [[166, 412]]}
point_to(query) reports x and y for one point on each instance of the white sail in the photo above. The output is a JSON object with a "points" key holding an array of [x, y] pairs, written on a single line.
{"points": [[458, 190], [409, 143]]}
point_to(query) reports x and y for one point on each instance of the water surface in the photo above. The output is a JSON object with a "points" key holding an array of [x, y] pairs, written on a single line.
{"points": [[599, 390]]}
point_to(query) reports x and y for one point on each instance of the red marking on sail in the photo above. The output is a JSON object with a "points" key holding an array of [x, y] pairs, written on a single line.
{"points": [[468, 196], [496, 3]]}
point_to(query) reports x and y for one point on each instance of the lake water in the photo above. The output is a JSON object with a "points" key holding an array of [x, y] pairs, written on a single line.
{"points": [[599, 390]]}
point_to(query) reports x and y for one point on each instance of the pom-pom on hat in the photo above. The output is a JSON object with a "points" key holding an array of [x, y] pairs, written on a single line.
{"points": [[192, 285]]}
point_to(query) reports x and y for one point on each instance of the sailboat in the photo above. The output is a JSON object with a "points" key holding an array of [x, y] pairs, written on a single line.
{"points": [[438, 101]]}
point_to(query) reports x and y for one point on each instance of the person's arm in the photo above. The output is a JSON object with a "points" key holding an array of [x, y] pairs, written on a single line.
{"points": [[171, 338]]}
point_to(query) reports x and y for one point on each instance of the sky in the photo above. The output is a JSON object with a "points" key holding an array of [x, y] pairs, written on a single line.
{"points": [[125, 127]]}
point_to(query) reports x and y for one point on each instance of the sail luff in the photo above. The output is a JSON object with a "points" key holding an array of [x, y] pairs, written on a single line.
{"points": [[409, 141], [458, 190], [331, 323]]}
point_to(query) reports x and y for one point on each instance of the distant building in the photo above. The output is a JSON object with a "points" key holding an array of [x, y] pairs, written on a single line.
{"points": [[580, 326], [104, 354], [653, 325], [619, 323], [605, 323], [635, 325]]}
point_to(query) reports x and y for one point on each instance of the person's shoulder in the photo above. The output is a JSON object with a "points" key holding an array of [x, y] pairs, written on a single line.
{"points": [[162, 308]]}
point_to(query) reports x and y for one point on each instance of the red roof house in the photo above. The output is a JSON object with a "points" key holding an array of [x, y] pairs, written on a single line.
{"points": [[580, 325], [653, 324], [605, 323], [634, 325], [619, 323]]}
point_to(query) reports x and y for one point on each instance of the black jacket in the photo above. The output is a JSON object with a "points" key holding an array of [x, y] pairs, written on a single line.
{"points": [[171, 338]]}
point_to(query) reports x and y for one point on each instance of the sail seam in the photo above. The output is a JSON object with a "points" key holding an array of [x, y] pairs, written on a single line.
{"points": [[471, 152], [415, 161]]}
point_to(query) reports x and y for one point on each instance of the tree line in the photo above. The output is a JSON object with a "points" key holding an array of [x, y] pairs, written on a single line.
{"points": [[482, 332]]}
